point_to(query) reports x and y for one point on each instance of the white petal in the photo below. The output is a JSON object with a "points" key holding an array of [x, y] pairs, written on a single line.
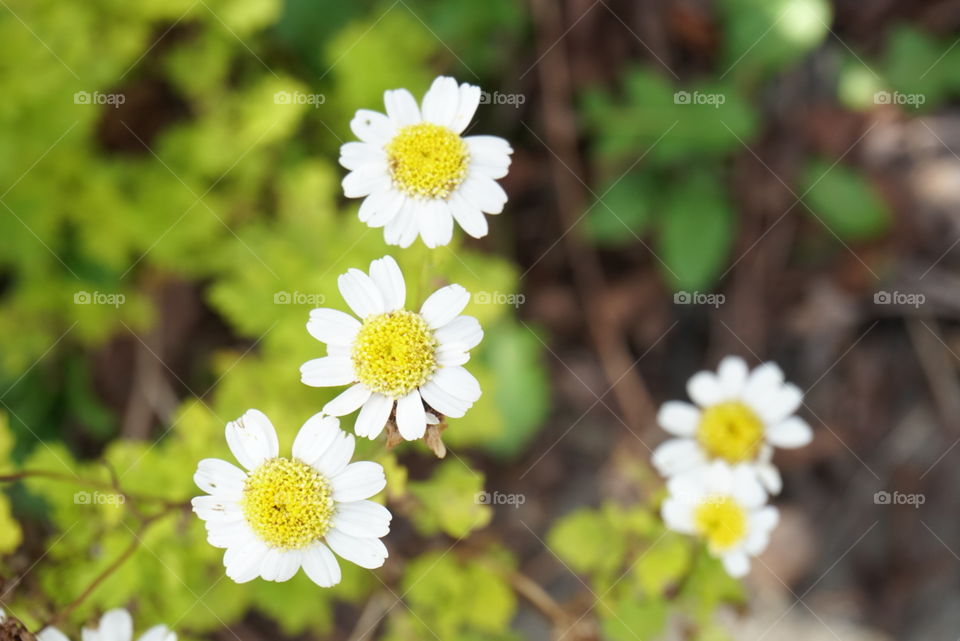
{"points": [[463, 332], [362, 182], [732, 375], [380, 207], [677, 516], [441, 101], [445, 403], [360, 293], [220, 478], [362, 518], [406, 224], [213, 508], [468, 216], [490, 150], [116, 625], [769, 477], [354, 155], [401, 107], [485, 193], [677, 455], [332, 326], [328, 371], [457, 382], [679, 418], [467, 105], [747, 489], [373, 416], [358, 481], [736, 564], [279, 565], [159, 633], [252, 439], [372, 127], [229, 534], [778, 405], [367, 553], [411, 420], [764, 381], [451, 355], [315, 437], [336, 457], [444, 305], [348, 401], [793, 432], [435, 223], [51, 634], [243, 563], [321, 566], [388, 278], [704, 389]]}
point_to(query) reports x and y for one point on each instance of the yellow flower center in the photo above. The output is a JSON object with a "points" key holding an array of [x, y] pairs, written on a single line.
{"points": [[394, 353], [721, 521], [427, 160], [288, 504], [730, 431]]}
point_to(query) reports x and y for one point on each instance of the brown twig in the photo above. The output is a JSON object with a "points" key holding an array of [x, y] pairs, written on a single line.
{"points": [[560, 133]]}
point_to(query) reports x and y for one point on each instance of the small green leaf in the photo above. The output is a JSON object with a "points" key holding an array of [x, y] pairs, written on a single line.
{"points": [[844, 201], [696, 232], [623, 209], [449, 500]]}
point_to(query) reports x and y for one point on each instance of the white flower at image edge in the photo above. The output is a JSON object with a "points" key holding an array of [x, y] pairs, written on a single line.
{"points": [[726, 507], [739, 417], [278, 515], [115, 625], [415, 171], [394, 358]]}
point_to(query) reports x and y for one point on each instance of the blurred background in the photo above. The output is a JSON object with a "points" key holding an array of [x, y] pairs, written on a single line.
{"points": [[777, 179]]}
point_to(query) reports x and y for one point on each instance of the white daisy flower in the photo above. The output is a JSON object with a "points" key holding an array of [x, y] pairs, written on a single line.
{"points": [[417, 174], [115, 625], [738, 418], [726, 507], [282, 514], [392, 357]]}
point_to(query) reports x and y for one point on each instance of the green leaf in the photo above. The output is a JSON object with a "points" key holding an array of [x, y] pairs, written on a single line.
{"points": [[624, 209], [448, 501], [844, 201], [630, 619], [663, 564], [696, 232], [762, 36]]}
